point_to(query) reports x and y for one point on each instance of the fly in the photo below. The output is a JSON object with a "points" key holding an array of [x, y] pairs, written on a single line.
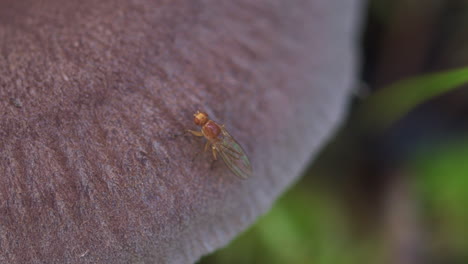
{"points": [[222, 144]]}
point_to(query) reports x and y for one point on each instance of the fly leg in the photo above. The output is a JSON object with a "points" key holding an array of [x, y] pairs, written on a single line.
{"points": [[213, 149], [195, 133]]}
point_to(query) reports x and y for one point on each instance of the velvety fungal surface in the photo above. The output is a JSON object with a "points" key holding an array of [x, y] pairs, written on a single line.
{"points": [[95, 98]]}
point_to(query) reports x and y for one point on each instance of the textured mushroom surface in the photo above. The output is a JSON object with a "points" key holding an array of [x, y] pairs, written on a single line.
{"points": [[95, 97]]}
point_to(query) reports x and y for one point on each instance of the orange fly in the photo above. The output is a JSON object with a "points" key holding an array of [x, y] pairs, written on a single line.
{"points": [[223, 143]]}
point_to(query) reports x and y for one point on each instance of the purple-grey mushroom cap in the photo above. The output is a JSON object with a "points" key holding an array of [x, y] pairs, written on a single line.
{"points": [[95, 99]]}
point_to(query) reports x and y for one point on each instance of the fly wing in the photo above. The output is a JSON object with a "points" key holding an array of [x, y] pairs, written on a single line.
{"points": [[233, 155]]}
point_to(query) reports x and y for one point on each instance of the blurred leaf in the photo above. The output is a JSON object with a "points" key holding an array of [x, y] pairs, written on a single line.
{"points": [[443, 183], [392, 102]]}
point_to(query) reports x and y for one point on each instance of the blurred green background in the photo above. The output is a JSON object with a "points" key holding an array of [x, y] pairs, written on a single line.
{"points": [[392, 186]]}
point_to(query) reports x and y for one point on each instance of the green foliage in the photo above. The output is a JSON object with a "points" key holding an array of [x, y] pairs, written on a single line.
{"points": [[391, 103], [442, 180]]}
